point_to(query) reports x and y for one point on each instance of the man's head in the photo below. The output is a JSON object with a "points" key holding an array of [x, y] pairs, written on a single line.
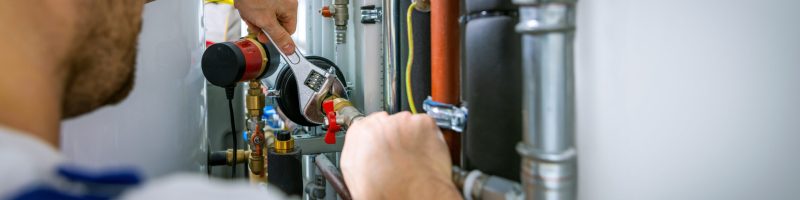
{"points": [[60, 59], [102, 57]]}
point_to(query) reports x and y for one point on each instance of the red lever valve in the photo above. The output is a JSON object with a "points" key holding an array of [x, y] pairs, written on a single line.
{"points": [[326, 12], [333, 127]]}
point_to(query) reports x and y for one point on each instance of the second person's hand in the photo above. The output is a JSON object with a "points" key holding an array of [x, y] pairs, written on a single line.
{"points": [[276, 17], [400, 156]]}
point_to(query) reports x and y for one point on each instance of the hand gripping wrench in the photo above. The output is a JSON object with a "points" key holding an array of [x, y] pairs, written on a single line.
{"points": [[314, 84]]}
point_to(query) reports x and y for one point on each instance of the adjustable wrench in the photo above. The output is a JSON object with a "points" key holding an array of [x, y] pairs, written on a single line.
{"points": [[313, 84]]}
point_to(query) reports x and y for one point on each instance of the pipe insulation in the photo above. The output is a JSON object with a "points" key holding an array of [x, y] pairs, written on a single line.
{"points": [[494, 80], [476, 6], [421, 66]]}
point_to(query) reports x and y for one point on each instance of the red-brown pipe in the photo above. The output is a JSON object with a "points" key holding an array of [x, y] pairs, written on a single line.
{"points": [[445, 63]]}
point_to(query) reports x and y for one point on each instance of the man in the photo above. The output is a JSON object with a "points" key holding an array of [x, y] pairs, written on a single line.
{"points": [[64, 58]]}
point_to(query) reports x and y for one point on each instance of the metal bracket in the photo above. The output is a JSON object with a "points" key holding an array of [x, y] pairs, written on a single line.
{"points": [[371, 14], [446, 115], [316, 144], [273, 93]]}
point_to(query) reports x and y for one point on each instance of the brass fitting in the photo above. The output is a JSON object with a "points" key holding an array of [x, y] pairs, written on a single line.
{"points": [[341, 15], [257, 158], [284, 143], [422, 5], [338, 102], [257, 164], [255, 99], [252, 34], [284, 146], [345, 112], [241, 156]]}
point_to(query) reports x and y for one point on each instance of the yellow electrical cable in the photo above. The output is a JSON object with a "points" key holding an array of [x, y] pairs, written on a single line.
{"points": [[410, 58], [220, 1]]}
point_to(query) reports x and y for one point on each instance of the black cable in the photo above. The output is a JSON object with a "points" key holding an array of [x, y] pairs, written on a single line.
{"points": [[229, 94]]}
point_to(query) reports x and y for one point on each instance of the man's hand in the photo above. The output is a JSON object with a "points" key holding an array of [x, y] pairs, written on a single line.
{"points": [[277, 17], [402, 156]]}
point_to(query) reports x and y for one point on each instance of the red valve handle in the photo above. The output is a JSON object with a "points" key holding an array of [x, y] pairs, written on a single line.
{"points": [[333, 127], [326, 12]]}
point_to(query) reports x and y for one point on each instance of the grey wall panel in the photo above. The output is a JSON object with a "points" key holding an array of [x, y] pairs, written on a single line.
{"points": [[690, 100]]}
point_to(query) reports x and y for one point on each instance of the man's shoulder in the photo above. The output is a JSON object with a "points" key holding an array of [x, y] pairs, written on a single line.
{"points": [[24, 160], [197, 187]]}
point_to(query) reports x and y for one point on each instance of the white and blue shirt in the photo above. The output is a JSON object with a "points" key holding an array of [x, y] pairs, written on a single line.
{"points": [[31, 169]]}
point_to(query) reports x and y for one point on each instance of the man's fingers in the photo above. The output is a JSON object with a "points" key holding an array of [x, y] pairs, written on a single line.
{"points": [[250, 26], [426, 120], [290, 25], [288, 16], [263, 38], [280, 36]]}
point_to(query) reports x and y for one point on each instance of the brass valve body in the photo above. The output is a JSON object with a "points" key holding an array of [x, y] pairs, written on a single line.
{"points": [[255, 99]]}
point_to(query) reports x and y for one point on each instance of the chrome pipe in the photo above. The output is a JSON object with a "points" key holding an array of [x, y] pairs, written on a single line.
{"points": [[309, 173], [548, 153], [390, 78], [477, 185]]}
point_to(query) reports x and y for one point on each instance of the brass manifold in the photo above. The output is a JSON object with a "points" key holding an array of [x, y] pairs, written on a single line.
{"points": [[254, 163], [255, 102]]}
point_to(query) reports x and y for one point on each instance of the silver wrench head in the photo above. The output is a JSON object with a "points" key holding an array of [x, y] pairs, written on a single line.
{"points": [[314, 84]]}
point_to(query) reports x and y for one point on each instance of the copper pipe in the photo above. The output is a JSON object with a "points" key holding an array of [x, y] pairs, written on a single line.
{"points": [[334, 177], [445, 63]]}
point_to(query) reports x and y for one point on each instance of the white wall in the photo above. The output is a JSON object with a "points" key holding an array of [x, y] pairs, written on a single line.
{"points": [[160, 127], [688, 99]]}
